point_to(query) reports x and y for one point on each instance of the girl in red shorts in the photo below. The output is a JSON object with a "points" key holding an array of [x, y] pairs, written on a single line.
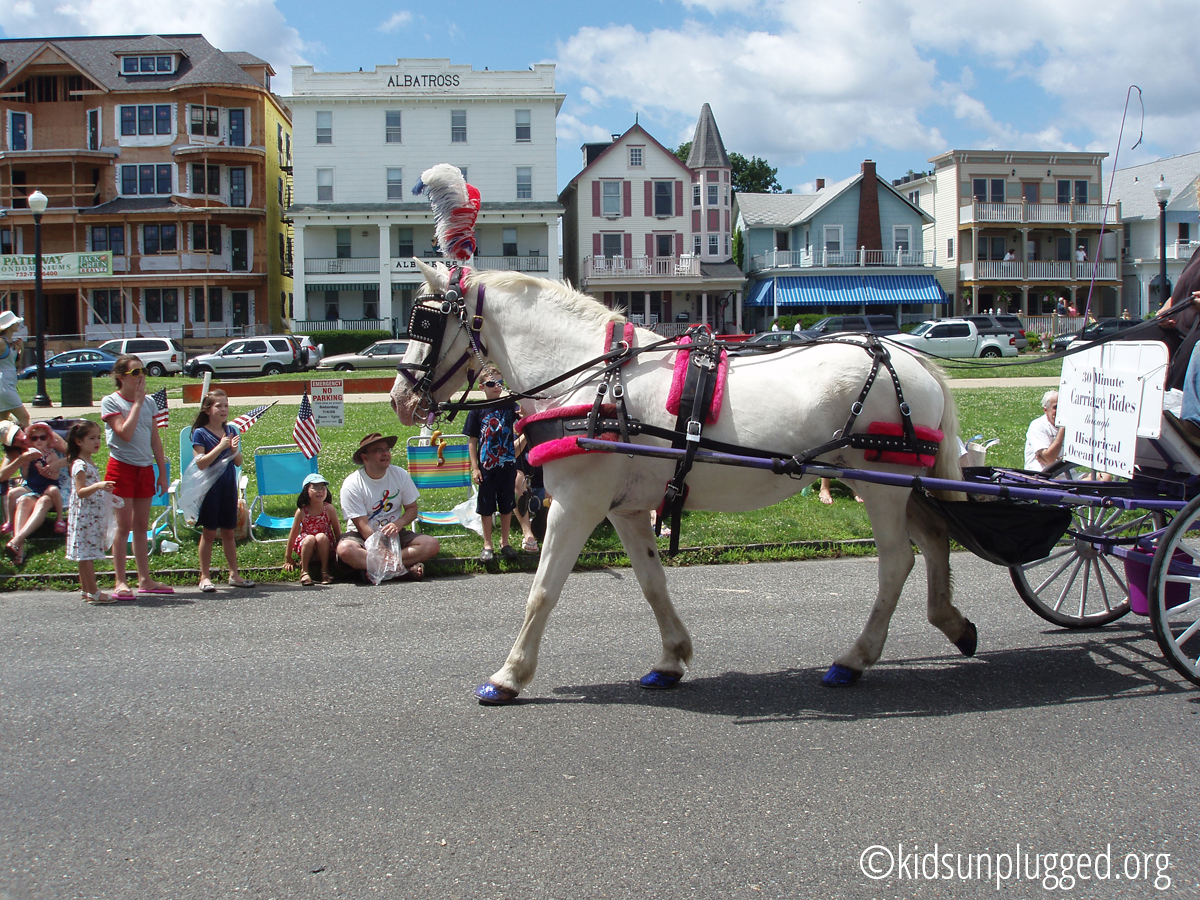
{"points": [[133, 448]]}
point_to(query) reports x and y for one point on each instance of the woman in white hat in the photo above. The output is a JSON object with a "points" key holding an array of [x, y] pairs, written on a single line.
{"points": [[10, 351]]}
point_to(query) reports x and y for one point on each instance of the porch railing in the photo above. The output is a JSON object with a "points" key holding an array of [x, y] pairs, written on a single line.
{"points": [[977, 211], [513, 263], [1036, 270], [350, 265], [304, 326], [640, 266], [804, 259]]}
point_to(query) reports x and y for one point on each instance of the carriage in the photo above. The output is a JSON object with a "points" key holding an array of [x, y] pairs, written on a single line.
{"points": [[626, 422]]}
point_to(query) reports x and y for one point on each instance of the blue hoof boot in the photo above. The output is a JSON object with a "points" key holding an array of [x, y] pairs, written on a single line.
{"points": [[840, 676], [969, 641], [659, 681], [490, 694]]}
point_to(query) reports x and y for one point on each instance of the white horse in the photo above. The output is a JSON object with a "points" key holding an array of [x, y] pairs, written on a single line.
{"points": [[535, 329]]}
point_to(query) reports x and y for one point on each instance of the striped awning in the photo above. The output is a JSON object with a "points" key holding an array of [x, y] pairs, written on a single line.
{"points": [[847, 290], [321, 288]]}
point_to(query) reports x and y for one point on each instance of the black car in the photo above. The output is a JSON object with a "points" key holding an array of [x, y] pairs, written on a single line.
{"points": [[1001, 323], [1094, 332], [836, 324]]}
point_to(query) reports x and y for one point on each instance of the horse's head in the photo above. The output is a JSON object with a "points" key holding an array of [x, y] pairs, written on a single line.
{"points": [[438, 348]]}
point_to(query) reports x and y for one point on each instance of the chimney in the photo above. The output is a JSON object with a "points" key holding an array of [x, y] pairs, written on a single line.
{"points": [[820, 184], [870, 234]]}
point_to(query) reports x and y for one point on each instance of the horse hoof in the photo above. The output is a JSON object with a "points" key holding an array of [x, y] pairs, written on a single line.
{"points": [[840, 676], [969, 641], [658, 681], [489, 694]]}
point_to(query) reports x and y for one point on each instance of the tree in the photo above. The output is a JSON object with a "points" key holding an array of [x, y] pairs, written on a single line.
{"points": [[749, 176]]}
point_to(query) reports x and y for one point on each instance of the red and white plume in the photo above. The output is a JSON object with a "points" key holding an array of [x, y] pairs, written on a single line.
{"points": [[455, 208]]}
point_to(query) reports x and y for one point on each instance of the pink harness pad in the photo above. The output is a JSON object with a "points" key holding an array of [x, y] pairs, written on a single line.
{"points": [[894, 429], [680, 374], [562, 447]]}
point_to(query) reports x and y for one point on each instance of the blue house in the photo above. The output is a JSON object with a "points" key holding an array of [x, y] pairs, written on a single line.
{"points": [[855, 246]]}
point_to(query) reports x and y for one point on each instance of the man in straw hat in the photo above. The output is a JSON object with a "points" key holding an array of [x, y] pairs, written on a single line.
{"points": [[381, 497]]}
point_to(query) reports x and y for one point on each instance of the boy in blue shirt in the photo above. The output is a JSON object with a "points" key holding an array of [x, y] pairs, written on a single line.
{"points": [[494, 462]]}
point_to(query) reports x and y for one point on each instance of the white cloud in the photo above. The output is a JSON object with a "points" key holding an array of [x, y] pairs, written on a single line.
{"points": [[575, 132], [397, 21], [255, 26]]}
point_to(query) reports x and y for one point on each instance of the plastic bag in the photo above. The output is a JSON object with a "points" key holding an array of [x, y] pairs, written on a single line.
{"points": [[466, 514], [194, 486], [383, 557]]}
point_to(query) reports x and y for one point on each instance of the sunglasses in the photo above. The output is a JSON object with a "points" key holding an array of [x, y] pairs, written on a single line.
{"points": [[493, 383], [39, 437], [134, 373]]}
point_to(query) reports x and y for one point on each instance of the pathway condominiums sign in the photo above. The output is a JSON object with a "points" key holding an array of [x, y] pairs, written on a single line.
{"points": [[57, 265]]}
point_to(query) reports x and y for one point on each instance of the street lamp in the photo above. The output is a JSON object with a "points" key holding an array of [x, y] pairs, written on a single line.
{"points": [[1162, 193], [37, 203]]}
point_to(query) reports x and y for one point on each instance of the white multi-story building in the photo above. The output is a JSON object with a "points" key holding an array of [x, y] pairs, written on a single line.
{"points": [[361, 141]]}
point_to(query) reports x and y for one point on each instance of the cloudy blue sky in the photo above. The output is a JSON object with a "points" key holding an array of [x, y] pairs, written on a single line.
{"points": [[814, 87]]}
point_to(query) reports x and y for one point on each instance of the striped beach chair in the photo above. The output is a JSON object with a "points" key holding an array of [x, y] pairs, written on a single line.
{"points": [[453, 473]]}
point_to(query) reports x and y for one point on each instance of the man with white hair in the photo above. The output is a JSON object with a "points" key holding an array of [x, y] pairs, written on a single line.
{"points": [[1044, 439]]}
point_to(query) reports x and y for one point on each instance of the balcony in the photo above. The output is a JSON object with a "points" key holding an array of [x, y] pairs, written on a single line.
{"points": [[306, 326], [976, 212], [1182, 249], [640, 267], [513, 263], [821, 259], [348, 265], [1037, 270]]}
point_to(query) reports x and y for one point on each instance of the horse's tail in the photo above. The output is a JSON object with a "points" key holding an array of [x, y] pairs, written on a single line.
{"points": [[947, 464]]}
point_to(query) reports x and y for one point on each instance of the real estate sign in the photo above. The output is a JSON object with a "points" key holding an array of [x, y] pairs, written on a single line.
{"points": [[57, 265]]}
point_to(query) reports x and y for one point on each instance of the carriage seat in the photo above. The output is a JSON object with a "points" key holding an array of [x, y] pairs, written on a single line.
{"points": [[1175, 450]]}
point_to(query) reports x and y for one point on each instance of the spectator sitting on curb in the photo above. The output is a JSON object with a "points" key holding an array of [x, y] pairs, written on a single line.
{"points": [[380, 496]]}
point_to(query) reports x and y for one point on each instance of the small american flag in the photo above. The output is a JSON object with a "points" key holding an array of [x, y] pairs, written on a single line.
{"points": [[246, 421], [304, 432], [161, 414]]}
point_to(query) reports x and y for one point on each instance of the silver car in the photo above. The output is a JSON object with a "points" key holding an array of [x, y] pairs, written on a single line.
{"points": [[380, 355], [268, 355]]}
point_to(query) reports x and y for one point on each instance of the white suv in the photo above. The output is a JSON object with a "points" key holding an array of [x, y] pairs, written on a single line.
{"points": [[268, 355], [162, 356]]}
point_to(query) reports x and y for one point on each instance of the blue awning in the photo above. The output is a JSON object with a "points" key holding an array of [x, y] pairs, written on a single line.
{"points": [[847, 290]]}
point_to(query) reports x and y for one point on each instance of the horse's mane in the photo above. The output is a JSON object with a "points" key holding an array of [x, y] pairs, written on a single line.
{"points": [[571, 301]]}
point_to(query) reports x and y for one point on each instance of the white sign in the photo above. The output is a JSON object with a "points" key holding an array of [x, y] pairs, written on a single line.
{"points": [[1107, 397], [328, 408]]}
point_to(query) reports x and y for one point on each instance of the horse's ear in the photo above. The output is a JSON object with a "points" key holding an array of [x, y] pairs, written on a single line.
{"points": [[437, 277]]}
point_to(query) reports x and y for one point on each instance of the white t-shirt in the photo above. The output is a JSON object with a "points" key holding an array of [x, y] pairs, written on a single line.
{"points": [[381, 500], [137, 452], [1041, 434]]}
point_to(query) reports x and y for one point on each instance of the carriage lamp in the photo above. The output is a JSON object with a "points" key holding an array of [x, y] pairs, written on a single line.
{"points": [[37, 204], [1162, 193]]}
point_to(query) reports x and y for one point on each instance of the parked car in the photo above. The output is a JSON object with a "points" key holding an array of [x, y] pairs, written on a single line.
{"points": [[835, 324], [310, 352], [1094, 332], [1001, 323], [162, 356], [268, 355], [957, 339], [94, 362], [380, 355], [779, 337]]}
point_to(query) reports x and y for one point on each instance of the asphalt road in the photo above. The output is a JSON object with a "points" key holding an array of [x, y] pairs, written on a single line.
{"points": [[323, 742]]}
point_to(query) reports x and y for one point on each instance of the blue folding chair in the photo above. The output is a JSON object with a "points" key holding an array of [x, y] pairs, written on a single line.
{"points": [[186, 455], [278, 474]]}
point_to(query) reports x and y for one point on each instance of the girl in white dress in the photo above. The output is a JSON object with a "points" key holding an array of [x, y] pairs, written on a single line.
{"points": [[90, 510]]}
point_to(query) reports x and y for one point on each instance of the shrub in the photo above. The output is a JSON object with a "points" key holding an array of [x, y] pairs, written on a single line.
{"points": [[1035, 341], [348, 341]]}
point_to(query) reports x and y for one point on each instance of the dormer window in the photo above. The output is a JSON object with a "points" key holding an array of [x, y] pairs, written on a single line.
{"points": [[147, 65]]}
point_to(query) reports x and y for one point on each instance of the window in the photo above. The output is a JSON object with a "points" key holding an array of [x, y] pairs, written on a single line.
{"points": [[714, 195], [914, 197], [287, 144], [524, 127], [282, 255], [391, 126], [1064, 191], [696, 244], [714, 244], [1185, 232], [635, 157], [161, 304], [458, 126], [783, 240], [237, 187], [206, 179], [129, 65], [524, 183], [18, 131], [371, 303], [343, 243], [949, 248], [279, 188], [237, 128], [510, 242], [155, 179], [664, 245], [324, 127], [213, 310], [610, 198], [610, 245], [332, 313], [395, 184], [279, 135], [979, 189], [404, 237], [47, 88], [147, 65], [143, 120], [6, 241], [833, 238], [107, 237], [93, 129], [664, 192], [106, 307], [164, 63], [695, 195], [206, 238], [324, 185], [158, 239], [1081, 192], [901, 237]]}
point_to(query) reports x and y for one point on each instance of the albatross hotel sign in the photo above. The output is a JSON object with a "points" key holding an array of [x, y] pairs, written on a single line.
{"points": [[57, 265]]}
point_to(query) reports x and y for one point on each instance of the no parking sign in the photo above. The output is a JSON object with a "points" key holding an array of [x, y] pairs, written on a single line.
{"points": [[328, 408]]}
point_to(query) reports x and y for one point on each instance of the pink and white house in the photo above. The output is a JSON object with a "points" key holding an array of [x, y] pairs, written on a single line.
{"points": [[645, 231]]}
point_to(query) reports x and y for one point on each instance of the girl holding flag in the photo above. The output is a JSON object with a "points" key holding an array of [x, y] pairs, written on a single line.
{"points": [[215, 441]]}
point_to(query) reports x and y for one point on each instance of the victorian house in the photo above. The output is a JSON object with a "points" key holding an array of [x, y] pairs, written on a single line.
{"points": [[647, 232], [166, 153]]}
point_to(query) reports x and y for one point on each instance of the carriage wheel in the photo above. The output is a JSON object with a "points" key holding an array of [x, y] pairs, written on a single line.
{"points": [[1079, 585], [1174, 593]]}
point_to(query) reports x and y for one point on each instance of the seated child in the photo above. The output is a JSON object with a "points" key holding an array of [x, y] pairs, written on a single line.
{"points": [[42, 474], [315, 528]]}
